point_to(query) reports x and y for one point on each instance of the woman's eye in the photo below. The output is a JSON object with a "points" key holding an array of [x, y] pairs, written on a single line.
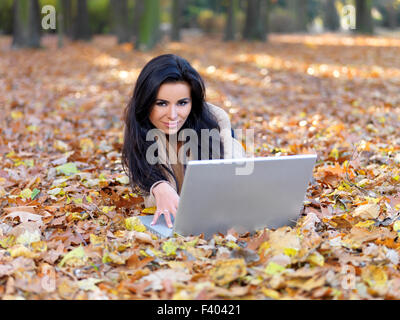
{"points": [[163, 103]]}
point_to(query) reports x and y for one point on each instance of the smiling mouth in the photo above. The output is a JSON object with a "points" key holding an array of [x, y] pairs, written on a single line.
{"points": [[171, 125]]}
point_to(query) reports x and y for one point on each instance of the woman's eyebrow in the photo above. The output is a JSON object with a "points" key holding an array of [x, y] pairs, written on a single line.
{"points": [[168, 101]]}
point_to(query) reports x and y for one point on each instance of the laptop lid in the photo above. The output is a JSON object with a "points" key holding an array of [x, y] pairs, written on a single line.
{"points": [[245, 194]]}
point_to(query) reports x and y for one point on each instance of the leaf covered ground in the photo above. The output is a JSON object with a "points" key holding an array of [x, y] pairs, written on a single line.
{"points": [[68, 226]]}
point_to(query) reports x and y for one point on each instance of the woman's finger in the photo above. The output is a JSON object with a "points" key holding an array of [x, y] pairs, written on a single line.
{"points": [[174, 212], [156, 215], [168, 218]]}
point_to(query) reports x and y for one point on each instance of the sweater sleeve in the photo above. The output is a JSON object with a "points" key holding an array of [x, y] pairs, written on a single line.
{"points": [[237, 149], [233, 148], [149, 199]]}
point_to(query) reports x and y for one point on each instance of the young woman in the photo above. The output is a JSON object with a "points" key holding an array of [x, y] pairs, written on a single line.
{"points": [[169, 96]]}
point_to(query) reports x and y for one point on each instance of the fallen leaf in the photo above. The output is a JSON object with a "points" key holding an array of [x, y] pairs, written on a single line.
{"points": [[24, 216], [75, 257], [367, 211], [226, 271]]}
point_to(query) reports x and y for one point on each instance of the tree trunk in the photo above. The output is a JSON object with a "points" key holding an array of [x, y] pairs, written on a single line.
{"points": [[251, 16], [138, 13], [67, 17], [364, 23], [230, 29], [256, 20], [81, 22], [177, 10], [299, 11], [60, 24], [27, 24], [302, 15], [149, 29], [264, 18], [252, 28], [392, 16], [331, 16], [119, 9]]}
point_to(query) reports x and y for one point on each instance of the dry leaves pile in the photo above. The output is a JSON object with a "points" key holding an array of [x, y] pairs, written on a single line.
{"points": [[68, 226]]}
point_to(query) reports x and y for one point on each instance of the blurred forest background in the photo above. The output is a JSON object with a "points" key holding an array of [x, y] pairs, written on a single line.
{"points": [[145, 23], [308, 76]]}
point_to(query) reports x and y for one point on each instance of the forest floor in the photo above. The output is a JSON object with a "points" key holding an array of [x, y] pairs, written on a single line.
{"points": [[68, 226]]}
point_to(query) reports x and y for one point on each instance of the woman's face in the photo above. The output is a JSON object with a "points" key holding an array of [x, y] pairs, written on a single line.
{"points": [[172, 107]]}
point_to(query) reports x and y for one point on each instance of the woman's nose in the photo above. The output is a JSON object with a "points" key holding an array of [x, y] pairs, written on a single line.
{"points": [[172, 112]]}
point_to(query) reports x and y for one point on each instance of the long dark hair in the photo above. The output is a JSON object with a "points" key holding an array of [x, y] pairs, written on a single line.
{"points": [[165, 68]]}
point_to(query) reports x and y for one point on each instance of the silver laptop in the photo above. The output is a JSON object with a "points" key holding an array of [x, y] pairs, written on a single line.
{"points": [[246, 194]]}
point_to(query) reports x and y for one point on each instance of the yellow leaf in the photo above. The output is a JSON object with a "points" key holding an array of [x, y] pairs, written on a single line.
{"points": [[29, 163], [7, 242], [86, 144], [77, 200], [264, 247], [26, 193], [374, 275], [40, 246], [20, 250], [232, 245], [134, 223], [11, 154], [2, 191], [226, 271], [372, 200], [88, 284], [27, 237], [75, 257], [365, 224], [270, 293], [67, 169], [16, 115], [60, 145], [307, 285], [316, 259], [144, 253], [177, 264], [150, 210], [169, 247], [95, 240], [56, 191], [107, 209], [73, 216], [396, 225], [113, 257], [32, 128], [334, 153], [274, 268], [290, 252]]}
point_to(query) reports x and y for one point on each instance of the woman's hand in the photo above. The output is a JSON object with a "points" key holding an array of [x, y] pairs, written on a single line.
{"points": [[167, 201]]}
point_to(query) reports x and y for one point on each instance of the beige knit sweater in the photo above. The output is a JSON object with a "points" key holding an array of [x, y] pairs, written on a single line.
{"points": [[232, 149]]}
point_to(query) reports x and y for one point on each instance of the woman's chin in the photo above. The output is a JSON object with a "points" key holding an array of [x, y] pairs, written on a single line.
{"points": [[171, 131]]}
